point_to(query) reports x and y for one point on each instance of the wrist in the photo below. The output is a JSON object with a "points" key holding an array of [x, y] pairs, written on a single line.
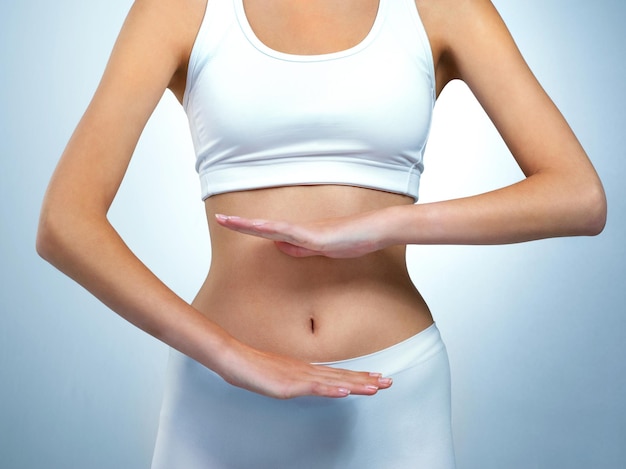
{"points": [[394, 225], [201, 339]]}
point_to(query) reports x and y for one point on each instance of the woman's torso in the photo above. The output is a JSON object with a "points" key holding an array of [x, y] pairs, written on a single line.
{"points": [[317, 309]]}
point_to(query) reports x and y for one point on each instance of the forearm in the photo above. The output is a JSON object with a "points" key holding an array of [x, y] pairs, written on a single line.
{"points": [[549, 203], [92, 253], [540, 206]]}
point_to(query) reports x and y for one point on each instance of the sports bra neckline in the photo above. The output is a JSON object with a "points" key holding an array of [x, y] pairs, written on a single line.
{"points": [[246, 28]]}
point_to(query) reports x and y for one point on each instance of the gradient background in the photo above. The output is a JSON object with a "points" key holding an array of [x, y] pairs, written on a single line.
{"points": [[536, 332]]}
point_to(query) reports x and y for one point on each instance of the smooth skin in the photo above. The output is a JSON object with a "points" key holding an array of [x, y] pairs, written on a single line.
{"points": [[265, 312]]}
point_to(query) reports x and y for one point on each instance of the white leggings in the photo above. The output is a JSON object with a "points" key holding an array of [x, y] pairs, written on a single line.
{"points": [[209, 424]]}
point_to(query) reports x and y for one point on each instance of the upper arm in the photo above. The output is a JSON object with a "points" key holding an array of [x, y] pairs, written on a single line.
{"points": [[473, 44], [152, 48]]}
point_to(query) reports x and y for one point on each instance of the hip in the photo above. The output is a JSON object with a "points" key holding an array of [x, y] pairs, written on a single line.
{"points": [[205, 422]]}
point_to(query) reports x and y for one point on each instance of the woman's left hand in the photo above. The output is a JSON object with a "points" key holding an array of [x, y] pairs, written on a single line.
{"points": [[344, 237]]}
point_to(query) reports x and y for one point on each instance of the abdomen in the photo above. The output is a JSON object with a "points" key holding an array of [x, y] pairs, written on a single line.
{"points": [[315, 308]]}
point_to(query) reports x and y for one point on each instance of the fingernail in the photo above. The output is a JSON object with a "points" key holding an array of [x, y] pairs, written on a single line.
{"points": [[385, 381], [344, 391], [219, 216], [372, 387], [376, 375]]}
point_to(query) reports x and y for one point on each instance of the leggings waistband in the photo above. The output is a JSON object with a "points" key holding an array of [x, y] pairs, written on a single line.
{"points": [[398, 357]]}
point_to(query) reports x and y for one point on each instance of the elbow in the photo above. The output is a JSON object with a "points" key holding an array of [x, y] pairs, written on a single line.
{"points": [[65, 233], [592, 214], [56, 235], [47, 240]]}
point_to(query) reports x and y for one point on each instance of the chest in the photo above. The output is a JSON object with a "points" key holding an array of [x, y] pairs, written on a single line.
{"points": [[311, 27]]}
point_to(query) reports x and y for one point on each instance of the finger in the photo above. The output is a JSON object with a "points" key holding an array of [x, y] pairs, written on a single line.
{"points": [[330, 388], [239, 223], [335, 380], [301, 251], [340, 389], [325, 381], [272, 230]]}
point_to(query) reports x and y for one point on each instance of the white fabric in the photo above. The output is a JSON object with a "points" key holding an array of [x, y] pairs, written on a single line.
{"points": [[262, 118], [209, 424]]}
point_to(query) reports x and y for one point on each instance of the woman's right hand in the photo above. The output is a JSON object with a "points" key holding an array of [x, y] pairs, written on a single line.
{"points": [[283, 377]]}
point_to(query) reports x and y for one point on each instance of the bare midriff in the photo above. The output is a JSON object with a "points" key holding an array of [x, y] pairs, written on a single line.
{"points": [[315, 308]]}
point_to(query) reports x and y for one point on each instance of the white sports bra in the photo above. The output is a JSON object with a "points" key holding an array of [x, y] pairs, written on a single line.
{"points": [[262, 118]]}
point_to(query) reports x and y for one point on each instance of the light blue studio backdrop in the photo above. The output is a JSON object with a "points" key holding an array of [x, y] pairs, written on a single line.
{"points": [[536, 332]]}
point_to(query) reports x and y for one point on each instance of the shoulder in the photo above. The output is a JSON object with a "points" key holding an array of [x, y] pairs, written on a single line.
{"points": [[450, 19], [174, 20], [170, 27], [459, 29]]}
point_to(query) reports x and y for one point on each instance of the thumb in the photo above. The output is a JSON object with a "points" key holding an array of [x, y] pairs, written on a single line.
{"points": [[295, 251]]}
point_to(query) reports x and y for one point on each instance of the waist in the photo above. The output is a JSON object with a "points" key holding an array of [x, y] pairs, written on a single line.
{"points": [[316, 308], [321, 323]]}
